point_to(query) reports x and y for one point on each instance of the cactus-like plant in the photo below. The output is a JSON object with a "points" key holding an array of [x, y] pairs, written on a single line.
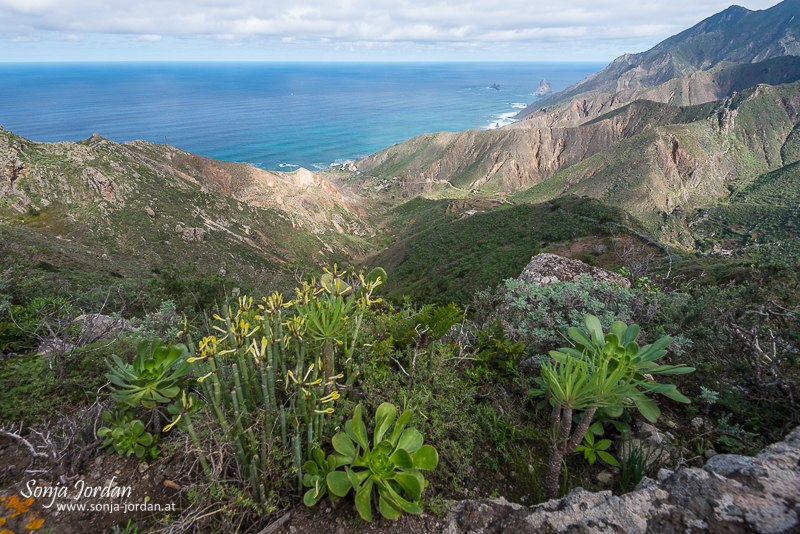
{"points": [[392, 466], [376, 277], [181, 411], [151, 379]]}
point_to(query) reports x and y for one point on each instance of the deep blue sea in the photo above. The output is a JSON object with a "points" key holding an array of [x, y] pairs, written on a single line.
{"points": [[273, 115]]}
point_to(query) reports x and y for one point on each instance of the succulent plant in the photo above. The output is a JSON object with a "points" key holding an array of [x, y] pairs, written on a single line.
{"points": [[151, 379], [376, 277], [126, 435], [619, 347], [600, 372], [181, 411], [392, 465], [323, 479]]}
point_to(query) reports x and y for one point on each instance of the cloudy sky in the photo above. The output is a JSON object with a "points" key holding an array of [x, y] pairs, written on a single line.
{"points": [[342, 30]]}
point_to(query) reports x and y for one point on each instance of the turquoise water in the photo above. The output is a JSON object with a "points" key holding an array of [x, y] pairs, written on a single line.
{"points": [[273, 115]]}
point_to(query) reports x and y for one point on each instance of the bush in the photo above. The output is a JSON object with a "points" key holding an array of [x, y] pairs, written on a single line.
{"points": [[540, 315], [32, 391]]}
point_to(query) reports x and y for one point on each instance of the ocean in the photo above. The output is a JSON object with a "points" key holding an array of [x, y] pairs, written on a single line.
{"points": [[276, 116]]}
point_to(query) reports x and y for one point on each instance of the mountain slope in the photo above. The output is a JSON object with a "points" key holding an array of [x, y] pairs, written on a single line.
{"points": [[444, 255], [130, 208], [692, 160], [504, 160], [736, 35], [763, 211], [720, 81]]}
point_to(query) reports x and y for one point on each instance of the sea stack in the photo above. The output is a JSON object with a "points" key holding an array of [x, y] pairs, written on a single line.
{"points": [[544, 88]]}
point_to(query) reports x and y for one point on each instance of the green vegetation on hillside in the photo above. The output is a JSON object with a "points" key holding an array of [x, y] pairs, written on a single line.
{"points": [[448, 260]]}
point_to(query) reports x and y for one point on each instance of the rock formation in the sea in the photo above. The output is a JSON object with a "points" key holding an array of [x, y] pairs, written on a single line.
{"points": [[495, 86], [731, 493], [544, 88], [545, 269]]}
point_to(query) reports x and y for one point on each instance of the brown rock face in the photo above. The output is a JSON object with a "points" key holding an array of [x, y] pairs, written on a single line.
{"points": [[731, 494], [507, 160], [545, 269]]}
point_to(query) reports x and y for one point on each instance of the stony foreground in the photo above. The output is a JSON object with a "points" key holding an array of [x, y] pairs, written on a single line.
{"points": [[731, 494]]}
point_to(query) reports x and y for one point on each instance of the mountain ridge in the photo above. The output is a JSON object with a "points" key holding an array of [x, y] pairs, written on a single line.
{"points": [[735, 35], [142, 206]]}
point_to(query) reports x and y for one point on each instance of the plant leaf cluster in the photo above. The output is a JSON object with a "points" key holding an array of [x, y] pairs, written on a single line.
{"points": [[392, 466], [151, 379]]}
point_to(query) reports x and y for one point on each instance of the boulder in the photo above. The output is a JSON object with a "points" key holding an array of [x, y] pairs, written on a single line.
{"points": [[737, 494], [193, 234], [98, 327], [53, 346], [546, 269]]}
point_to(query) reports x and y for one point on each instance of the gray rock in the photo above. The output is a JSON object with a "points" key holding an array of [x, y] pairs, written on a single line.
{"points": [[97, 326], [605, 477], [530, 366], [697, 422], [732, 493], [730, 465], [546, 269], [652, 434], [710, 453], [599, 249], [544, 88], [53, 346]]}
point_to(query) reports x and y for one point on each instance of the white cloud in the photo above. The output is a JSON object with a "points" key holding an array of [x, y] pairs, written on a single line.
{"points": [[23, 39], [354, 23]]}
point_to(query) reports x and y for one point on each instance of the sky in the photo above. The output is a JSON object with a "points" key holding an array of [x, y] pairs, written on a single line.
{"points": [[342, 30]]}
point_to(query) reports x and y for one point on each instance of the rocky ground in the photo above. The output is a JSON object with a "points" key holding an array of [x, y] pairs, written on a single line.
{"points": [[731, 494]]}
